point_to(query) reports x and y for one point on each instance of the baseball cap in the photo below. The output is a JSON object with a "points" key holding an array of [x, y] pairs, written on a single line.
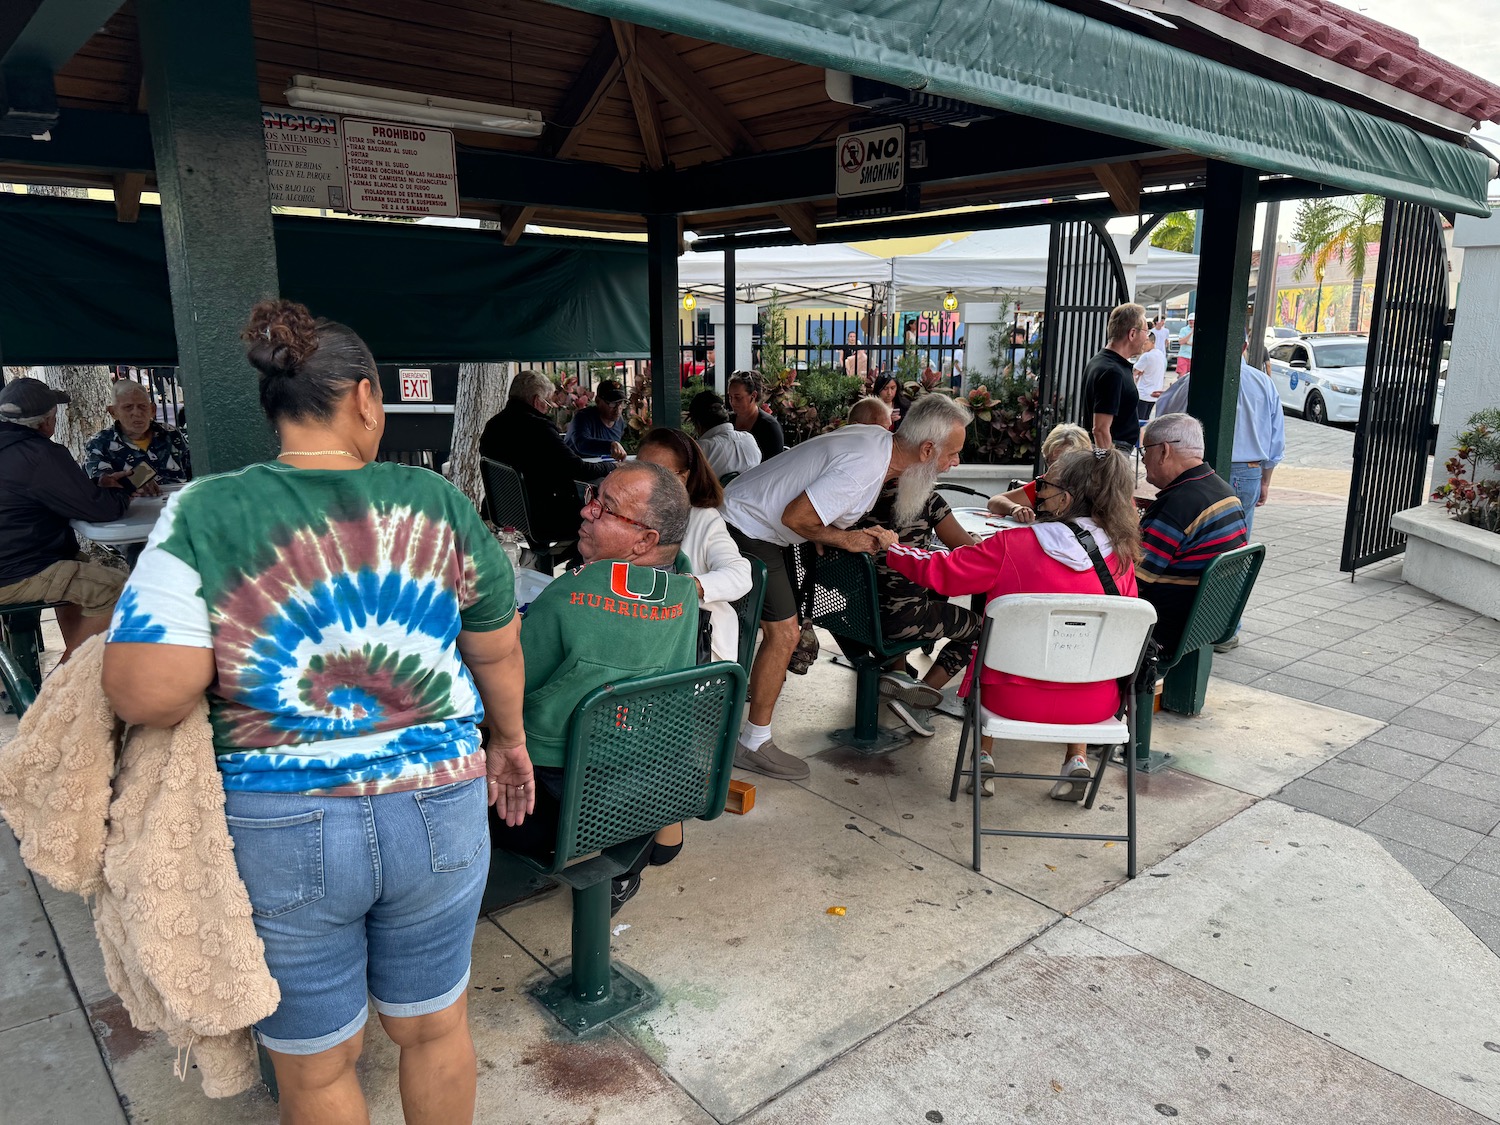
{"points": [[23, 400], [610, 391]]}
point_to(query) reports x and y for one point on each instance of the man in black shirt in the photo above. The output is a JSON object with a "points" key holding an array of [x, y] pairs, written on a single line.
{"points": [[747, 391], [1109, 394]]}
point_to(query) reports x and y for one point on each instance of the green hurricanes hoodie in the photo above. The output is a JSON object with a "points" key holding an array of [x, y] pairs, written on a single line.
{"points": [[607, 620]]}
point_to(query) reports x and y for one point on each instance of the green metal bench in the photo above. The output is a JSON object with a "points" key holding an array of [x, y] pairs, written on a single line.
{"points": [[642, 754], [748, 609], [20, 689], [21, 633], [845, 600], [1217, 607]]}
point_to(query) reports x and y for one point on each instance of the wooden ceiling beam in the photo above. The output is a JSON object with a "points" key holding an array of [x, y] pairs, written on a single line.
{"points": [[1123, 183], [592, 85], [642, 96]]}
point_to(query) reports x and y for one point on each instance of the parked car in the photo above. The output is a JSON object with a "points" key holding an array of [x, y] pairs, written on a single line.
{"points": [[1321, 376], [1276, 334], [1174, 326]]}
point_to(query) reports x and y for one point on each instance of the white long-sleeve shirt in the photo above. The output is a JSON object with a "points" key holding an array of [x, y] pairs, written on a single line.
{"points": [[723, 573], [729, 450]]}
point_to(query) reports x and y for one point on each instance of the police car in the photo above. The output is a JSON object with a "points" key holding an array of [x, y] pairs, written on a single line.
{"points": [[1321, 375]]}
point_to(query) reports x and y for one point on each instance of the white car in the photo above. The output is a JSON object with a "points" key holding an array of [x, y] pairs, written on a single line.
{"points": [[1321, 376]]}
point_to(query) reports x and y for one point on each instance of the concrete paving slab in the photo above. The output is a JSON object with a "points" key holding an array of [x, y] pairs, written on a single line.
{"points": [[527, 1071], [1435, 836], [1317, 923], [1424, 866], [1450, 807], [1256, 741], [1078, 1027], [760, 984], [73, 926], [33, 981], [1388, 759], [51, 1074]]}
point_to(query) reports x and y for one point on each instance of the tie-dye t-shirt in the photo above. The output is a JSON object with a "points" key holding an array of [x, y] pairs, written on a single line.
{"points": [[332, 601]]}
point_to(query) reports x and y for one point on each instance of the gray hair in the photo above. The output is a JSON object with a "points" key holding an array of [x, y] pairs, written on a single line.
{"points": [[1182, 430], [932, 418], [667, 503], [870, 411], [529, 384], [125, 387], [1065, 437], [35, 423]]}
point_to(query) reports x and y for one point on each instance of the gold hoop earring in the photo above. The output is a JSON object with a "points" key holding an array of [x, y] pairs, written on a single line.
{"points": [[369, 423]]}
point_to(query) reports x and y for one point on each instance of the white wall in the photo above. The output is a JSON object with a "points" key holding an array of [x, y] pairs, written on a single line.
{"points": [[1474, 361]]}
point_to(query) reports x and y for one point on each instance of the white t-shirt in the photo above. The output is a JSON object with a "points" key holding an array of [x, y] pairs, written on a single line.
{"points": [[1153, 368], [729, 450], [841, 473], [1160, 343]]}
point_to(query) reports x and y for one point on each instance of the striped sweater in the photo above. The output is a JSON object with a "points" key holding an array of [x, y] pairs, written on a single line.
{"points": [[1191, 520]]}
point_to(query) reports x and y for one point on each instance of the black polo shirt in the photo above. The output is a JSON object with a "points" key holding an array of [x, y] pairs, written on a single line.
{"points": [[1109, 388]]}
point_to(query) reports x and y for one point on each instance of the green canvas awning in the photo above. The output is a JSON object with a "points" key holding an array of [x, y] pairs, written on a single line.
{"points": [[77, 286], [1035, 58]]}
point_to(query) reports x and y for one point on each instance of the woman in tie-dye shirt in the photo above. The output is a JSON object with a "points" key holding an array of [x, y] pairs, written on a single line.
{"points": [[353, 625]]}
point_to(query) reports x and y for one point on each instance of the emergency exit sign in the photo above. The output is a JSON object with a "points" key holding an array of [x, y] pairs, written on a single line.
{"points": [[416, 384]]}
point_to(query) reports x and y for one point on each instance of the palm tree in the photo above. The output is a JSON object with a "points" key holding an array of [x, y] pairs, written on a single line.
{"points": [[1338, 228], [1175, 232]]}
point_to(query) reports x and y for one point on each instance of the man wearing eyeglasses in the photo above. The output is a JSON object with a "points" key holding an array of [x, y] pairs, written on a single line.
{"points": [[1109, 395], [626, 612], [1195, 517]]}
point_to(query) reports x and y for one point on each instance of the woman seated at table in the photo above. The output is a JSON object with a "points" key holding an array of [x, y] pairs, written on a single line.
{"points": [[888, 391], [1092, 490], [720, 571], [1019, 504]]}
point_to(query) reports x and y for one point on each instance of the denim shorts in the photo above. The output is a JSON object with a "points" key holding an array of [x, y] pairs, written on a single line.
{"points": [[361, 897]]}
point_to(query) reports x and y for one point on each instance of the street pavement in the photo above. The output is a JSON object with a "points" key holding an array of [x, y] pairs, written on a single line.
{"points": [[1312, 935]]}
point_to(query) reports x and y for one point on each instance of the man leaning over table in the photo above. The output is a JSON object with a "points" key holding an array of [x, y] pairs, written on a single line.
{"points": [[136, 436], [41, 489], [815, 492]]}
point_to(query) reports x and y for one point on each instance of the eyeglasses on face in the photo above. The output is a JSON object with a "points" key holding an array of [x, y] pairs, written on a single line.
{"points": [[1156, 445], [594, 504]]}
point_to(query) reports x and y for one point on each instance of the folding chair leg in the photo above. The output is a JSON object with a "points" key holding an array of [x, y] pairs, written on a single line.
{"points": [[958, 762], [978, 796], [1132, 722]]}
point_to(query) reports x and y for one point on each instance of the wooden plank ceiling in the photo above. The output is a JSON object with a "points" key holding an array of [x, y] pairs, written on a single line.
{"points": [[611, 93]]}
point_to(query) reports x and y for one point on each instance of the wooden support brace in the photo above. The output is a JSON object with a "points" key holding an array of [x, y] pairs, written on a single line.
{"points": [[1123, 182]]}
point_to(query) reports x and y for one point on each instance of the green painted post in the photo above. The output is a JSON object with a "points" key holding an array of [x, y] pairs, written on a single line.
{"points": [[666, 351], [591, 982], [198, 58], [1223, 290]]}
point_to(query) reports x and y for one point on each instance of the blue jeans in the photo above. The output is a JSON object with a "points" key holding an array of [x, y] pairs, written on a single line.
{"points": [[358, 897], [1245, 481]]}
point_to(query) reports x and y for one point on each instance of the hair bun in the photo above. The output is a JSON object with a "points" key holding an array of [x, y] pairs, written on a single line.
{"points": [[280, 335]]}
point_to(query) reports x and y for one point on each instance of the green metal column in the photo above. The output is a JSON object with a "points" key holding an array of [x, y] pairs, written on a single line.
{"points": [[1223, 290], [199, 67], [666, 350]]}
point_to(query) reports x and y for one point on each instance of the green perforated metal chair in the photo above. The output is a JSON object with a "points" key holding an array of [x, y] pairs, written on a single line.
{"points": [[20, 689], [642, 754], [1217, 607], [21, 633], [845, 600], [748, 608]]}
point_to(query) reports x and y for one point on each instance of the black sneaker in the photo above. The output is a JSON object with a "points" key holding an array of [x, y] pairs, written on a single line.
{"points": [[623, 891]]}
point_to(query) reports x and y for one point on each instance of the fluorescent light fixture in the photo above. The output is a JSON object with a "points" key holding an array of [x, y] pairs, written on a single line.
{"points": [[307, 92]]}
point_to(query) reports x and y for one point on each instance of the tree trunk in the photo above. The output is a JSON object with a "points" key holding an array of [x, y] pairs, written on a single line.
{"points": [[482, 389], [1355, 300]]}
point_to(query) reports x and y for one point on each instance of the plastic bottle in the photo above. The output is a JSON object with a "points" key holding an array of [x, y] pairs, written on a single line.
{"points": [[510, 543]]}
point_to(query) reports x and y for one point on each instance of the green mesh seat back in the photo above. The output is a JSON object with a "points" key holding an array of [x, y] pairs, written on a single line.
{"points": [[748, 609], [843, 593], [1222, 594], [649, 752], [504, 496]]}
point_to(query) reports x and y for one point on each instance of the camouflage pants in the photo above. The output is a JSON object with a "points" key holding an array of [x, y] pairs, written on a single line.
{"points": [[926, 617]]}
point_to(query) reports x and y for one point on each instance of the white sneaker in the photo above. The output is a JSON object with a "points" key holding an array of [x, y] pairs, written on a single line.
{"points": [[1076, 790], [986, 784]]}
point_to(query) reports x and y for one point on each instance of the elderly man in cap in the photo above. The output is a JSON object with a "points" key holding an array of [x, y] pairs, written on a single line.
{"points": [[137, 436], [41, 489], [596, 430]]}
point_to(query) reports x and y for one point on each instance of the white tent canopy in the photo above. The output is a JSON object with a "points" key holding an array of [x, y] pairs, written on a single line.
{"points": [[991, 265], [827, 275]]}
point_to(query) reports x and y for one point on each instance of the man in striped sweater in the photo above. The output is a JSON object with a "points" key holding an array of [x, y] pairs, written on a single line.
{"points": [[1195, 516]]}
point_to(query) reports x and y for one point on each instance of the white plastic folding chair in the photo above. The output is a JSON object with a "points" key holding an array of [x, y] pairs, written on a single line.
{"points": [[1059, 638]]}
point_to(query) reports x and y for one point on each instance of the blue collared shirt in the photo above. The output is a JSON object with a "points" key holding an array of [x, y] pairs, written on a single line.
{"points": [[588, 436], [1259, 425]]}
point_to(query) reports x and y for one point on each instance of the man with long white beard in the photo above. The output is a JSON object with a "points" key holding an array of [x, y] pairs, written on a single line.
{"points": [[815, 493]]}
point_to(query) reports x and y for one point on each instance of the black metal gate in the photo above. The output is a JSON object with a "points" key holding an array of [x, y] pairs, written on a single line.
{"points": [[1401, 373], [1085, 280]]}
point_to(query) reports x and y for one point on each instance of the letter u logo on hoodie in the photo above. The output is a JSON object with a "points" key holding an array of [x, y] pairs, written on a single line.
{"points": [[619, 583]]}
